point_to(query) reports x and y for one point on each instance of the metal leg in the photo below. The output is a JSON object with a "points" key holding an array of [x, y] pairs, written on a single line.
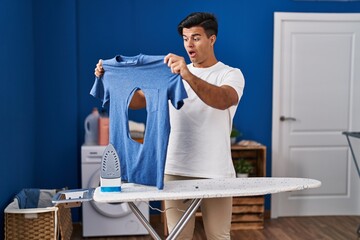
{"points": [[143, 220], [179, 226], [353, 154], [356, 135], [184, 219]]}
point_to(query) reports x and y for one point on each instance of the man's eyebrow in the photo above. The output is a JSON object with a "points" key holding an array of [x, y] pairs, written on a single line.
{"points": [[193, 35]]}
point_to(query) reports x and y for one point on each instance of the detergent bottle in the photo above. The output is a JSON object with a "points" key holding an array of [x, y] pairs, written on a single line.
{"points": [[103, 139], [92, 128]]}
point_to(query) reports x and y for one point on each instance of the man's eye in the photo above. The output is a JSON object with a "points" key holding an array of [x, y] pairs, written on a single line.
{"points": [[196, 39]]}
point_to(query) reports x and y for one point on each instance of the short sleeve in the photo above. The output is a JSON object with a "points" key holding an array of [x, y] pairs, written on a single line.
{"points": [[176, 91], [235, 79], [98, 90]]}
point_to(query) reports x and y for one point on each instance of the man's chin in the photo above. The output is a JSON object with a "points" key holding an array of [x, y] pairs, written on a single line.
{"points": [[193, 59]]}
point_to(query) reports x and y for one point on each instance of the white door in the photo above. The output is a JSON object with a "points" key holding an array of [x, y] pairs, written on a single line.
{"points": [[316, 96]]}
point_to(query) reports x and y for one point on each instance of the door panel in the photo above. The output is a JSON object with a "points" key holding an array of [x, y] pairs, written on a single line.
{"points": [[316, 82], [310, 162], [321, 66]]}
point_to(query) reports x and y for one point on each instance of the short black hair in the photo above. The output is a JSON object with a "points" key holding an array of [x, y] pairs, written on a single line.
{"points": [[207, 21]]}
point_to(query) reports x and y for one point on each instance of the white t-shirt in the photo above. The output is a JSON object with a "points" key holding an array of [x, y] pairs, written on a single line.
{"points": [[199, 142]]}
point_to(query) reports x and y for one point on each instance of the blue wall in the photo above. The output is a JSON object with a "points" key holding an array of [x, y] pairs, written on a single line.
{"points": [[56, 94], [17, 119], [49, 50]]}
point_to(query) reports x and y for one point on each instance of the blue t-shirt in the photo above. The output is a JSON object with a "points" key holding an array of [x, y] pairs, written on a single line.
{"points": [[140, 163]]}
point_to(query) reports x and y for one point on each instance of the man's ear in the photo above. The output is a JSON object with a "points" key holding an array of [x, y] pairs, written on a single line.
{"points": [[213, 39]]}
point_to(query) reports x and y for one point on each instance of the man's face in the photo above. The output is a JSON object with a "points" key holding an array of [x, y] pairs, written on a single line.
{"points": [[198, 46]]}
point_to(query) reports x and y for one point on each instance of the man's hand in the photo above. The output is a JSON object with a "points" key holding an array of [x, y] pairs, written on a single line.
{"points": [[178, 65], [219, 97], [99, 71]]}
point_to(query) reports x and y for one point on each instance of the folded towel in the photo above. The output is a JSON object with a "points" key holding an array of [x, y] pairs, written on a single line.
{"points": [[45, 198], [136, 127], [28, 198], [136, 135], [248, 143]]}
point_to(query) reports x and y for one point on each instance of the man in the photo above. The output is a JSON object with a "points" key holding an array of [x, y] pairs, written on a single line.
{"points": [[199, 142]]}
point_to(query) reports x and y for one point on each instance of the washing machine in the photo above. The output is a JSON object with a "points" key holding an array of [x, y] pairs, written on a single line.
{"points": [[106, 219]]}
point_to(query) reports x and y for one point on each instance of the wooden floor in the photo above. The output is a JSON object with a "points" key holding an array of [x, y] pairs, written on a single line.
{"points": [[289, 228]]}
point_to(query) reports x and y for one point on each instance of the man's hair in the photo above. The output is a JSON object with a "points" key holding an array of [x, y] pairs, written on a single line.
{"points": [[205, 20]]}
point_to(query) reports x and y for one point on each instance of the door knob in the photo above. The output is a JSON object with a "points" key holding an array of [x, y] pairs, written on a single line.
{"points": [[283, 118]]}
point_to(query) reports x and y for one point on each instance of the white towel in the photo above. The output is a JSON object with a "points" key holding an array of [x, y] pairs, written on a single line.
{"points": [[136, 127]]}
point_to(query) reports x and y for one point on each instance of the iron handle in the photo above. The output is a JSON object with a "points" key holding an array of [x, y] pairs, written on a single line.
{"points": [[283, 118]]}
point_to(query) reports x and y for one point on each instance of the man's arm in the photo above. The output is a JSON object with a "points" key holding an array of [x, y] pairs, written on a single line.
{"points": [[221, 97], [137, 102], [217, 97]]}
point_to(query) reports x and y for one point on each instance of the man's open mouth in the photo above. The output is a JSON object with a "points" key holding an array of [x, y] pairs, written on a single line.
{"points": [[192, 54]]}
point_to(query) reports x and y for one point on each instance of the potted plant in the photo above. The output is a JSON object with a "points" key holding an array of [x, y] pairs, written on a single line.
{"points": [[234, 135], [242, 167]]}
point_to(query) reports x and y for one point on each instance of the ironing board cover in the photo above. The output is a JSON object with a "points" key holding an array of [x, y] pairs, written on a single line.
{"points": [[206, 188]]}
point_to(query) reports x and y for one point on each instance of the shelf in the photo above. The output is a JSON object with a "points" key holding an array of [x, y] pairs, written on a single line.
{"points": [[248, 212]]}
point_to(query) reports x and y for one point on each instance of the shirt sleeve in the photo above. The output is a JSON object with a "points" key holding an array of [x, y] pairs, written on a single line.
{"points": [[235, 79], [98, 90], [176, 91]]}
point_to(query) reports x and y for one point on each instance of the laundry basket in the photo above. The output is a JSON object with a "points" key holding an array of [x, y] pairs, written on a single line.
{"points": [[40, 223]]}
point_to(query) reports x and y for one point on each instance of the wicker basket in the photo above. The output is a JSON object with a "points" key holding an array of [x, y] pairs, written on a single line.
{"points": [[37, 223]]}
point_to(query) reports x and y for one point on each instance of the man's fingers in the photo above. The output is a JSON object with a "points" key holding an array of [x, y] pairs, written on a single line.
{"points": [[97, 73], [174, 63], [170, 62], [99, 66], [167, 57], [99, 69]]}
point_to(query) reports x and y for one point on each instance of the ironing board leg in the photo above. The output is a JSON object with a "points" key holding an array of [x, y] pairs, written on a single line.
{"points": [[179, 226], [184, 219], [144, 221]]}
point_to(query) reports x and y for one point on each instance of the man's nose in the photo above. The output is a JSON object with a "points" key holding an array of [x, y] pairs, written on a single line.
{"points": [[190, 43]]}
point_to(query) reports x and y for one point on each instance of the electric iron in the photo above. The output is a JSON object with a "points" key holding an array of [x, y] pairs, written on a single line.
{"points": [[110, 176]]}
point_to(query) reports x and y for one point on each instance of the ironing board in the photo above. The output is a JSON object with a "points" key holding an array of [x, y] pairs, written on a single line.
{"points": [[354, 135], [197, 190]]}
